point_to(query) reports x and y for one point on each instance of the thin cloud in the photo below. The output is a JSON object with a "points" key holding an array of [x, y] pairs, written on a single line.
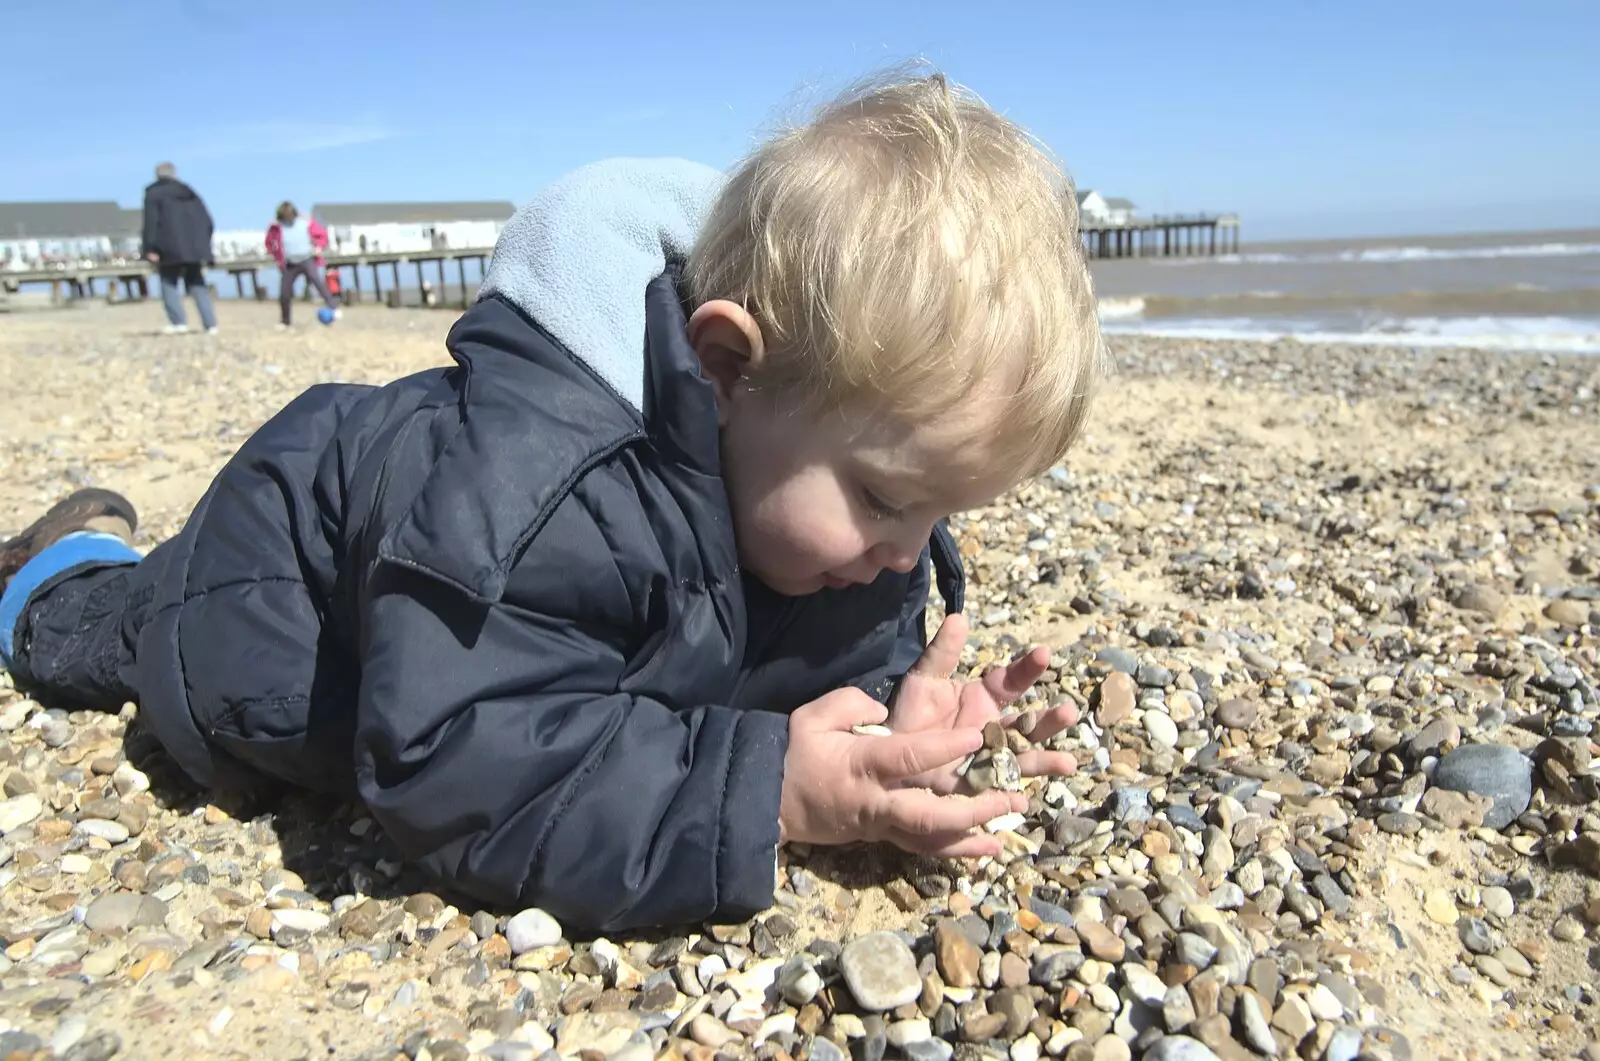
{"points": [[286, 138], [639, 116]]}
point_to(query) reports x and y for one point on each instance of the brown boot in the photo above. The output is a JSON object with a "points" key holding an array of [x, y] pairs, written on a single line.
{"points": [[92, 509]]}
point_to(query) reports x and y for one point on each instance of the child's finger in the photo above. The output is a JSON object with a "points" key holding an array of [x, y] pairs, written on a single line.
{"points": [[903, 755], [1038, 762], [1007, 683], [922, 813], [943, 654], [954, 845], [842, 709], [1048, 723]]}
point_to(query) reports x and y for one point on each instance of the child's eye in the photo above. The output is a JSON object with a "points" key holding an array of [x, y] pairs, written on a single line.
{"points": [[877, 507]]}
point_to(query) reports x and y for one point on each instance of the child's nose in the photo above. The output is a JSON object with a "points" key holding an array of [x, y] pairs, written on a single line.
{"points": [[897, 555]]}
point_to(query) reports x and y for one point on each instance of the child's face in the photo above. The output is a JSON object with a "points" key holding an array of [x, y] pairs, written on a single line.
{"points": [[824, 502]]}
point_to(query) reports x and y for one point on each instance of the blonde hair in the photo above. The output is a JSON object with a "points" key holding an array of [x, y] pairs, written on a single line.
{"points": [[905, 249]]}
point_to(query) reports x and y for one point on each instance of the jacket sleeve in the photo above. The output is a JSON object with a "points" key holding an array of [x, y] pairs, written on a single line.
{"points": [[496, 747], [151, 225], [211, 231], [939, 565]]}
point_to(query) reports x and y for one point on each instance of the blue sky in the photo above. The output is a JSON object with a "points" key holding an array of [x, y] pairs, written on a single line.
{"points": [[1309, 117]]}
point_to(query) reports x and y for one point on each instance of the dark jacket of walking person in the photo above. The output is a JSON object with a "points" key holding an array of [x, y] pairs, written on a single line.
{"points": [[297, 243], [177, 238]]}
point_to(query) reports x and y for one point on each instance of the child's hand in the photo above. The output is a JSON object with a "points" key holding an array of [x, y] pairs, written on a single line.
{"points": [[840, 787], [930, 700]]}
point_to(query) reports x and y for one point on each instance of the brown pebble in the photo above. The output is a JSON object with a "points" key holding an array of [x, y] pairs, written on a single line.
{"points": [[1013, 971], [131, 875], [274, 977], [424, 906], [932, 996], [984, 1026], [1155, 843], [215, 815], [258, 923], [1101, 941], [52, 830], [103, 765], [1116, 698], [134, 817], [154, 962], [957, 958], [1020, 943], [903, 895], [496, 950]]}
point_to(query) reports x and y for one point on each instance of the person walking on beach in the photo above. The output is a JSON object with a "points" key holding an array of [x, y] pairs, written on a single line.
{"points": [[297, 244], [177, 238]]}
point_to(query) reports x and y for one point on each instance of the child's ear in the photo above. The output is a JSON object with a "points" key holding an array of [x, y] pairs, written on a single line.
{"points": [[728, 342]]}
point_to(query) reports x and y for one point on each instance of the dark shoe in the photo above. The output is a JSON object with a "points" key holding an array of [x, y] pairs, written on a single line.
{"points": [[99, 510]]}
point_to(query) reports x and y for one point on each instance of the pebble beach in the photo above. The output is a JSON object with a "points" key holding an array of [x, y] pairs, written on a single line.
{"points": [[1329, 613]]}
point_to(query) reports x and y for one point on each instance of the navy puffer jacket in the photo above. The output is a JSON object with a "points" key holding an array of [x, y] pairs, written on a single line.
{"points": [[502, 603]]}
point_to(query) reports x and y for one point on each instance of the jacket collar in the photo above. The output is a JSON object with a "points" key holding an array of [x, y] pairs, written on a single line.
{"points": [[532, 420]]}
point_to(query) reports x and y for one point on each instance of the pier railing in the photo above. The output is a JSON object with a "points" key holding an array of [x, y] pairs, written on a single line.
{"points": [[78, 280], [1162, 236], [1158, 236]]}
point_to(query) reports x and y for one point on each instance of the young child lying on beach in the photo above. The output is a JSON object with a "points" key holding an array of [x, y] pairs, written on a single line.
{"points": [[591, 620]]}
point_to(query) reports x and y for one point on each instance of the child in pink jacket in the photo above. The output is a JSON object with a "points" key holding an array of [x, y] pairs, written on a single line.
{"points": [[297, 244]]}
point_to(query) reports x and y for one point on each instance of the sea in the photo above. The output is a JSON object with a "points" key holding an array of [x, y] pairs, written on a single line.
{"points": [[1527, 291]]}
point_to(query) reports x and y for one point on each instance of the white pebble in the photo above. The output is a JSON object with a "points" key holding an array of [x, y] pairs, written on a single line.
{"points": [[304, 920], [1163, 732], [129, 779], [1025, 1048], [532, 929], [19, 811], [111, 832], [1005, 823], [75, 863], [1324, 1004], [66, 1037]]}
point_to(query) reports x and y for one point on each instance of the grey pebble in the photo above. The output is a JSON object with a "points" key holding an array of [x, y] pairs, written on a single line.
{"points": [[1343, 1045], [1253, 1025], [1119, 659], [99, 1047], [120, 911], [1153, 676], [1184, 816], [880, 971], [824, 1049], [1129, 804], [1054, 967], [18, 1042], [1502, 773], [1475, 935], [1195, 950], [1179, 1048], [1332, 896]]}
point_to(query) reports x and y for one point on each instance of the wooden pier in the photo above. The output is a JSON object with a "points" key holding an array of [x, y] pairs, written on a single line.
{"points": [[1204, 235], [133, 276]]}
